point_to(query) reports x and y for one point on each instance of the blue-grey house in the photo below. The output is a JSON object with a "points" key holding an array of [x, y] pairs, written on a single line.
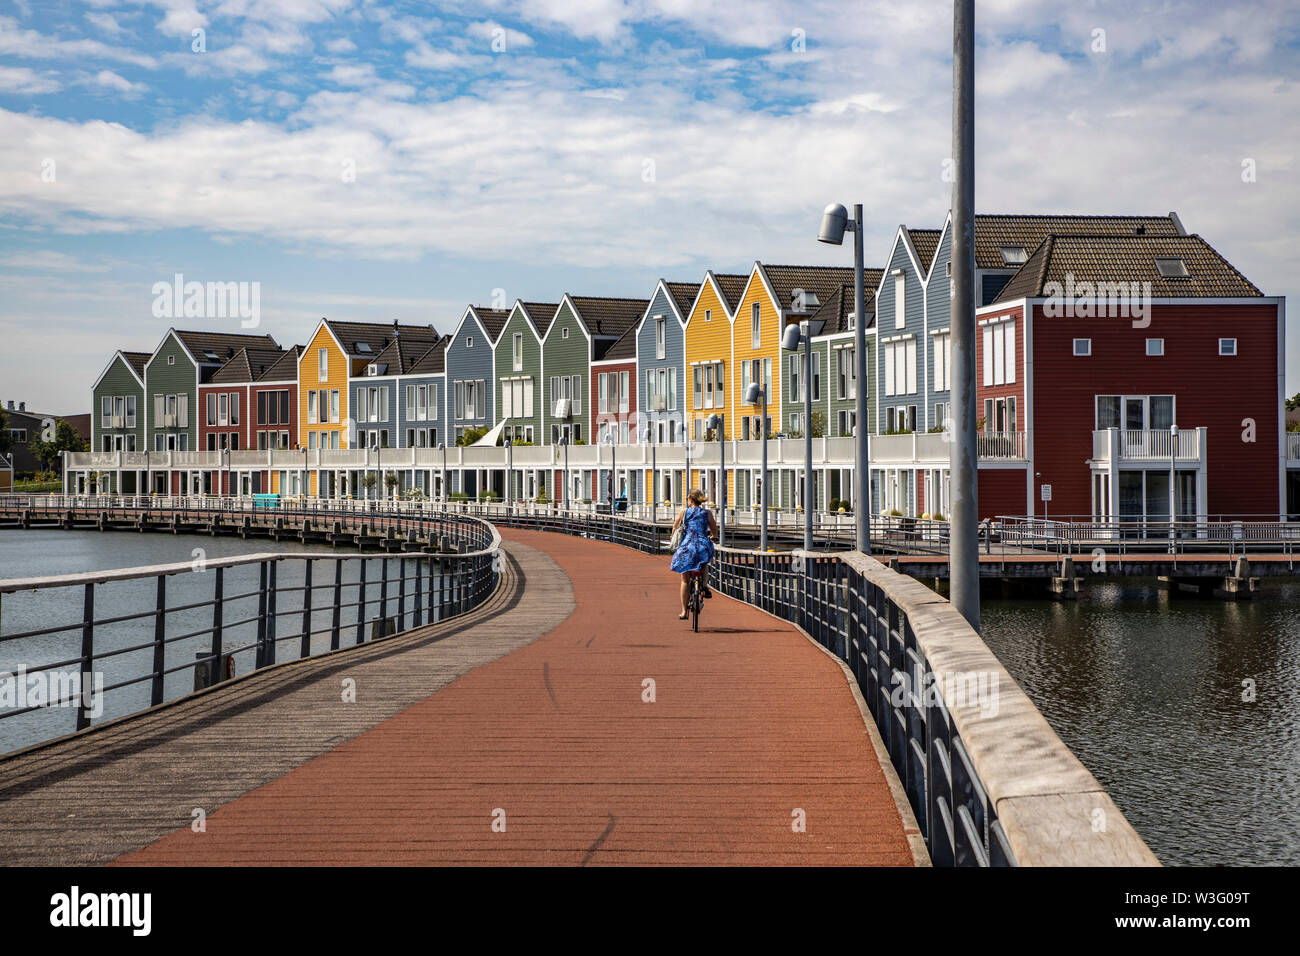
{"points": [[902, 349], [661, 361], [470, 365]]}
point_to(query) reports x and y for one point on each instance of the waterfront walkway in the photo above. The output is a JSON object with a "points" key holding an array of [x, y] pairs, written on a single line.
{"points": [[520, 733]]}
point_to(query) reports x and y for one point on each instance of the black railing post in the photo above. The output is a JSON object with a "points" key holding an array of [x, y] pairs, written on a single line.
{"points": [[159, 645], [261, 616], [87, 654], [418, 604], [338, 604], [270, 613], [306, 611], [218, 614], [361, 604]]}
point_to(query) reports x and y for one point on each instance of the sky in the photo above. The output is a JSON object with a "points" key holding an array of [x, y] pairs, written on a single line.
{"points": [[378, 161]]}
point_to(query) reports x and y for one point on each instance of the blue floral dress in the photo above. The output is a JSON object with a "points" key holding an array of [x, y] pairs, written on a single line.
{"points": [[696, 550]]}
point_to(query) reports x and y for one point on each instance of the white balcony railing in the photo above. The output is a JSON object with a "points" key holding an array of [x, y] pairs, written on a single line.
{"points": [[1148, 444], [1293, 446]]}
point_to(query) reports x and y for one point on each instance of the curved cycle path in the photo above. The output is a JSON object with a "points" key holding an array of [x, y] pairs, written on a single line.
{"points": [[618, 737]]}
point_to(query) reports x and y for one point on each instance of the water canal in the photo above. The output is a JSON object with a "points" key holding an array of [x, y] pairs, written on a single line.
{"points": [[1186, 709]]}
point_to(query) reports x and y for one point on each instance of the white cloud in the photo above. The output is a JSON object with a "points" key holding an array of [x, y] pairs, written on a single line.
{"points": [[109, 80], [32, 45], [489, 32], [49, 260], [20, 79]]}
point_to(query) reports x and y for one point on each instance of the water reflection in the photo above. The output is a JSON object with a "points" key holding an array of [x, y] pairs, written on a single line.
{"points": [[1186, 709]]}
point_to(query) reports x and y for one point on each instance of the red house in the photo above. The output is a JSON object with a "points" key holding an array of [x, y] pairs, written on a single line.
{"points": [[613, 409], [250, 404], [1124, 358]]}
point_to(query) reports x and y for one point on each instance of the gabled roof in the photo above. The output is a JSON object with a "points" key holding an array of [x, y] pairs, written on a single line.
{"points": [[1128, 259], [732, 286], [624, 348], [492, 320], [838, 308], [251, 365], [606, 317], [821, 281], [683, 296], [403, 351], [137, 361], [926, 244], [217, 348], [992, 232], [434, 361], [365, 340], [538, 314]]}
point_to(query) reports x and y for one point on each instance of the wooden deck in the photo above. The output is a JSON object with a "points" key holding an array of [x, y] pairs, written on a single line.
{"points": [[752, 728]]}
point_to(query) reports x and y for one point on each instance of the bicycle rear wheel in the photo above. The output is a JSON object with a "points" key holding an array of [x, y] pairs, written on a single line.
{"points": [[697, 599]]}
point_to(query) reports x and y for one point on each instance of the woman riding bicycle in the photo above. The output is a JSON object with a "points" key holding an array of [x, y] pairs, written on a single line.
{"points": [[695, 552]]}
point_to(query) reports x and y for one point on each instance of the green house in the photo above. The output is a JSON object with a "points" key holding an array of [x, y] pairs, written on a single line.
{"points": [[582, 330], [519, 370], [117, 404]]}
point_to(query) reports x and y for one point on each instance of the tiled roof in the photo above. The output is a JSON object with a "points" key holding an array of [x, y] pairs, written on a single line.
{"points": [[926, 244], [683, 294], [222, 345], [434, 360], [1128, 259], [540, 314], [402, 353], [375, 335], [838, 309], [821, 281], [992, 232], [494, 320], [733, 287], [608, 317], [137, 361], [624, 348], [283, 369], [254, 364]]}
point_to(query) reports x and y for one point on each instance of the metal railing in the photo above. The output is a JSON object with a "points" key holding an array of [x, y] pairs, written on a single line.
{"points": [[230, 616], [1071, 535], [866, 615]]}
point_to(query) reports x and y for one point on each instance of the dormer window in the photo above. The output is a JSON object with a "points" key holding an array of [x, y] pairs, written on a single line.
{"points": [[1171, 268], [1014, 255]]}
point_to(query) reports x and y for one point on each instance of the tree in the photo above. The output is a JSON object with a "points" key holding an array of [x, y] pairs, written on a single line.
{"points": [[1292, 404], [818, 420], [65, 439], [471, 435]]}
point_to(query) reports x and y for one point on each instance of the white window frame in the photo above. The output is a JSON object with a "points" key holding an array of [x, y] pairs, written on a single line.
{"points": [[1156, 348], [1082, 348], [1231, 348]]}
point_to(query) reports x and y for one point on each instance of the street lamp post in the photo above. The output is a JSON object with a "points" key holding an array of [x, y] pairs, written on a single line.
{"points": [[442, 484], [1173, 463], [716, 425], [654, 480], [796, 333], [756, 394], [510, 471], [834, 221], [564, 479]]}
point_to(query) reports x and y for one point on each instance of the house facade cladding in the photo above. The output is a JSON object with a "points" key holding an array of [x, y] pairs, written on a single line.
{"points": [[708, 353], [117, 404], [471, 371], [519, 385], [660, 352], [613, 396]]}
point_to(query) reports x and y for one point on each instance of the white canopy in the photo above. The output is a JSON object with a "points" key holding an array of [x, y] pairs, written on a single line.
{"points": [[491, 437]]}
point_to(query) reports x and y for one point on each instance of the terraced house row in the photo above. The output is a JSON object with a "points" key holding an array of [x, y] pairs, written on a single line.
{"points": [[1124, 367]]}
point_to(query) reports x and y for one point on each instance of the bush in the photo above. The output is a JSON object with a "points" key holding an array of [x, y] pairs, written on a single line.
{"points": [[834, 504]]}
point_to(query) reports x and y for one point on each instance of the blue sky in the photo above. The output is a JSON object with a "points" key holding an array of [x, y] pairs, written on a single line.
{"points": [[538, 147]]}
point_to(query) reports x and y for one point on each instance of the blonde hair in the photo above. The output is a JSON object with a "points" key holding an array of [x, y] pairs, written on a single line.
{"points": [[696, 495]]}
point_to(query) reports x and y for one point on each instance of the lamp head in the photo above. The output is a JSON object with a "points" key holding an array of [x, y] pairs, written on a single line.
{"points": [[835, 220], [752, 393], [791, 337], [1173, 430]]}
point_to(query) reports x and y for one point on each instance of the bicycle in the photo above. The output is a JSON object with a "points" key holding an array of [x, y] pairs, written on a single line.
{"points": [[695, 598]]}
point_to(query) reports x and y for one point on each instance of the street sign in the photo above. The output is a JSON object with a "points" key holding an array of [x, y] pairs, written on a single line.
{"points": [[1046, 492]]}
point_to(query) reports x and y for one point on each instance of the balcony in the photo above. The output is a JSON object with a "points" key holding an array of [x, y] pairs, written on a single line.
{"points": [[1148, 445], [1293, 446], [936, 447]]}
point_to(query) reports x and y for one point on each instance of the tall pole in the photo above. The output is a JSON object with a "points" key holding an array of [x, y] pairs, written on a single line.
{"points": [[964, 465], [809, 499], [565, 480], [654, 480], [722, 478], [862, 457], [510, 474], [1173, 462], [762, 485]]}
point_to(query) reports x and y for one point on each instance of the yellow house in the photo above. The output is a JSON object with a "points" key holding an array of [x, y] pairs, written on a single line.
{"points": [[708, 363], [337, 354]]}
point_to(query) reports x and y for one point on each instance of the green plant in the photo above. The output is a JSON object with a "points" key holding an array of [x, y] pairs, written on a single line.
{"points": [[543, 498], [471, 435], [390, 480], [458, 496], [486, 495], [369, 480], [818, 420], [834, 504], [892, 513], [580, 441], [935, 429]]}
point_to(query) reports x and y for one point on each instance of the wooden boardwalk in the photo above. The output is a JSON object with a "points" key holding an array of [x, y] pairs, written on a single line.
{"points": [[551, 754]]}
